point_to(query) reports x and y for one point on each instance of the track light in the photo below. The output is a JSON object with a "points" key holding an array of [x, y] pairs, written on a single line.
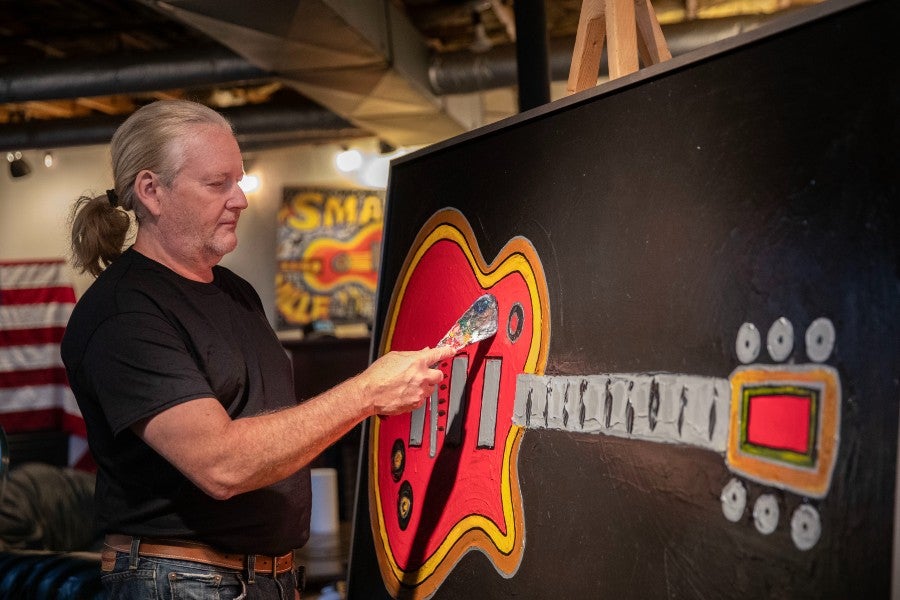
{"points": [[369, 168], [348, 161], [17, 165], [249, 183]]}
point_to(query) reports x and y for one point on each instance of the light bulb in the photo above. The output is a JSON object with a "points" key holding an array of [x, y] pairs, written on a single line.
{"points": [[348, 160], [376, 173], [249, 183]]}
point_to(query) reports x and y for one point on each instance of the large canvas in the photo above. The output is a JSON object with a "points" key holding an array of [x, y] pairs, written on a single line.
{"points": [[692, 392]]}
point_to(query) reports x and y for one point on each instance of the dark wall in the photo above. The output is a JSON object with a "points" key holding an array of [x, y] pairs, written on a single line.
{"points": [[320, 364], [752, 181]]}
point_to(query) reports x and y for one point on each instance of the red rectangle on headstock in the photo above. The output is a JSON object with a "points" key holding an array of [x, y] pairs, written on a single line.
{"points": [[780, 421]]}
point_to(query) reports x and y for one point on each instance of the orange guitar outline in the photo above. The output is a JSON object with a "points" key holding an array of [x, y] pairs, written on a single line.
{"points": [[502, 543]]}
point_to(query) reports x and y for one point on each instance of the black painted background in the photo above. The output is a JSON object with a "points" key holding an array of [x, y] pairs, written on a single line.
{"points": [[754, 181]]}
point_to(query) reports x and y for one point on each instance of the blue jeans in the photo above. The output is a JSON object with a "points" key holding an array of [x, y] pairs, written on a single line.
{"points": [[169, 579]]}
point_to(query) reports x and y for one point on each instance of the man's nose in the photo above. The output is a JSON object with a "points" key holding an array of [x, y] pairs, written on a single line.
{"points": [[238, 199]]}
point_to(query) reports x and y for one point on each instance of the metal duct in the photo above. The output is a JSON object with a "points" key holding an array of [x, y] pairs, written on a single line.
{"points": [[58, 79], [363, 60], [255, 127]]}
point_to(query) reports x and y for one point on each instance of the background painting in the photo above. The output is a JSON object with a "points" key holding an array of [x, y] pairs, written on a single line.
{"points": [[718, 239], [329, 245]]}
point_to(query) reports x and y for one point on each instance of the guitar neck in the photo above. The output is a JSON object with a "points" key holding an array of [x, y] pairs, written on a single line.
{"points": [[664, 407]]}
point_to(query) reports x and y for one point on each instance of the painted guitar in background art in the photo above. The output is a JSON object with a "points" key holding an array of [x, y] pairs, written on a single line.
{"points": [[443, 479], [327, 263]]}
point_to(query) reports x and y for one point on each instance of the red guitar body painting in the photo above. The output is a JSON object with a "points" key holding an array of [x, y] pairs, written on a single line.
{"points": [[443, 479]]}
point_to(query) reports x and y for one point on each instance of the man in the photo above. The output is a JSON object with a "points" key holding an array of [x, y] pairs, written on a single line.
{"points": [[202, 451]]}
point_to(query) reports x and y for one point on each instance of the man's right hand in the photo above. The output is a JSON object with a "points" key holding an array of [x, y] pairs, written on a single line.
{"points": [[400, 381]]}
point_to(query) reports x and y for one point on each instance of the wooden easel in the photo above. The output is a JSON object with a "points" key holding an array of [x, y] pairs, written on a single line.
{"points": [[630, 26]]}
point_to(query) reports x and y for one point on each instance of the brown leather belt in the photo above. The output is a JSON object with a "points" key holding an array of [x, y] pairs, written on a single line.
{"points": [[196, 552]]}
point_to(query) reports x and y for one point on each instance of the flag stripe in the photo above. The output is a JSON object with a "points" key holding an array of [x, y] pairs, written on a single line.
{"points": [[31, 274], [40, 295], [32, 420], [32, 335], [43, 420], [32, 377], [34, 356], [74, 424], [38, 397], [24, 316]]}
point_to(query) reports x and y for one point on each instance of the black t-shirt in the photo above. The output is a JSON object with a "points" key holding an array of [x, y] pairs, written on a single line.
{"points": [[143, 339]]}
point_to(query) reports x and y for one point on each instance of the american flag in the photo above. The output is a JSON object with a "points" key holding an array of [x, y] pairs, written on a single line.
{"points": [[36, 300]]}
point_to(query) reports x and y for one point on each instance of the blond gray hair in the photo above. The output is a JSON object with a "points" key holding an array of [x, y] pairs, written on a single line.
{"points": [[152, 138]]}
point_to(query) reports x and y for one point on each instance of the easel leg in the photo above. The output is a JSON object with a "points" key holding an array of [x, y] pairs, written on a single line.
{"points": [[588, 46], [650, 33], [621, 36], [629, 26]]}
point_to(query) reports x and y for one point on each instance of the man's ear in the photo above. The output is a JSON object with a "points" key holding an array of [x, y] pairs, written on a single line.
{"points": [[147, 189]]}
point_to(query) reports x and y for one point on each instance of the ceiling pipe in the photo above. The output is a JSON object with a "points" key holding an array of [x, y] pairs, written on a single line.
{"points": [[255, 126], [449, 73], [463, 72], [126, 74]]}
